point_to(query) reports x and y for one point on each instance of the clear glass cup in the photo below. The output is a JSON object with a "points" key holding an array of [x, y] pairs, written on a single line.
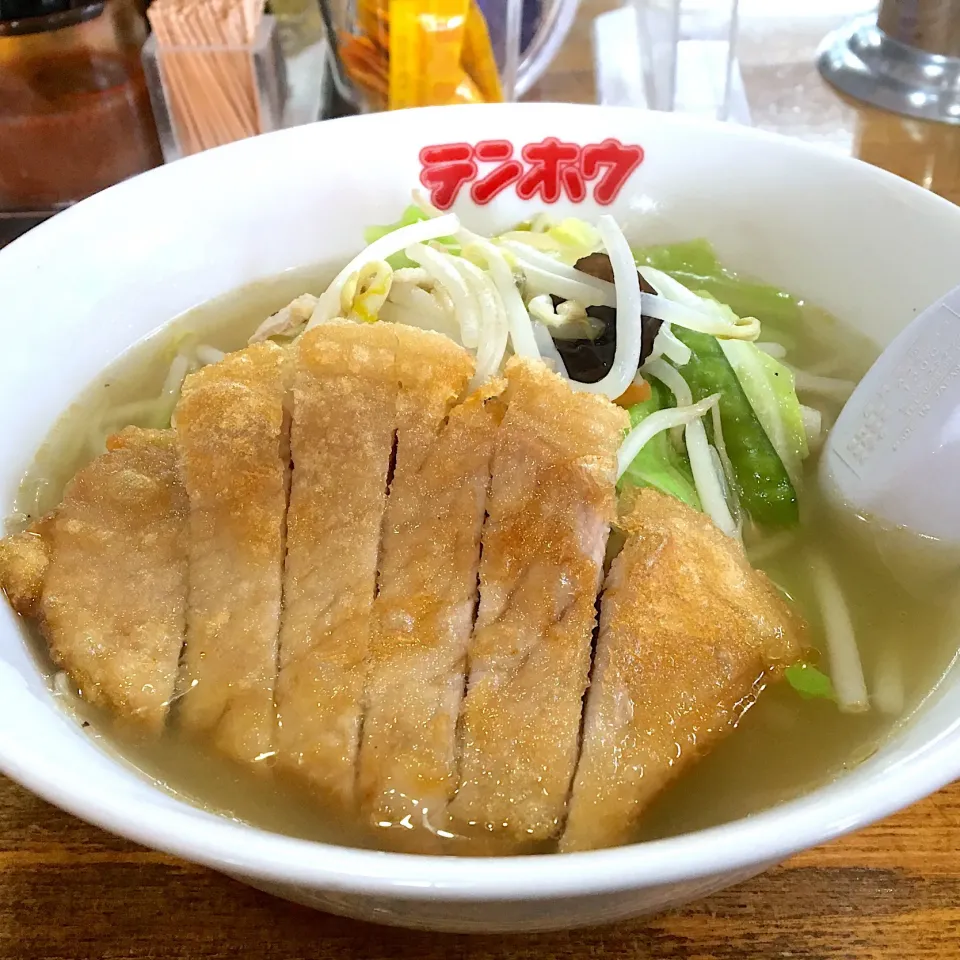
{"points": [[674, 55]]}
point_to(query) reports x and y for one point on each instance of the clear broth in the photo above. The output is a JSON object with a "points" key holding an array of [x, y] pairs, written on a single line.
{"points": [[784, 746]]}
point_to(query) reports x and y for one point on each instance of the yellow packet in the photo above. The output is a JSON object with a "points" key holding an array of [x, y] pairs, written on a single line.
{"points": [[478, 59], [442, 33], [426, 42], [405, 54], [467, 91]]}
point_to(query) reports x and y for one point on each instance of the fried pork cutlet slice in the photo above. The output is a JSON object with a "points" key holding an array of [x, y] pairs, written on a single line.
{"points": [[551, 502], [233, 437], [106, 576], [344, 416], [24, 559], [689, 636], [423, 614]]}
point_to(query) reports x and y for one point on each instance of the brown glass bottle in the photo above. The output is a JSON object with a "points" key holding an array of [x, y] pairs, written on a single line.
{"points": [[74, 111]]}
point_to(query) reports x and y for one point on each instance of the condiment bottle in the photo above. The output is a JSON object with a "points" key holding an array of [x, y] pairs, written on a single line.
{"points": [[74, 111]]}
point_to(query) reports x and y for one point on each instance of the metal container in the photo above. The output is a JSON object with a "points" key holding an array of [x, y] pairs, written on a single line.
{"points": [[906, 59]]}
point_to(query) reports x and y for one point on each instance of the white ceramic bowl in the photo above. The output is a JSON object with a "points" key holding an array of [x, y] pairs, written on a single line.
{"points": [[78, 290]]}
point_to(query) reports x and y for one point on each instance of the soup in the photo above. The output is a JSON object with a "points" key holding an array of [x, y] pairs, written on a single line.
{"points": [[787, 738]]}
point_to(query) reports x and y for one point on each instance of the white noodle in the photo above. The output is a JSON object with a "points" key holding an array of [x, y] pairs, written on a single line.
{"points": [[656, 423], [420, 232], [769, 547], [139, 411], [206, 354], [830, 387], [846, 670], [175, 377], [443, 271], [626, 358], [521, 328], [888, 694], [706, 478]]}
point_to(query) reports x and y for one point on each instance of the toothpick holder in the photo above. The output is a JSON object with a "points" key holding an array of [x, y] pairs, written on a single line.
{"points": [[206, 96]]}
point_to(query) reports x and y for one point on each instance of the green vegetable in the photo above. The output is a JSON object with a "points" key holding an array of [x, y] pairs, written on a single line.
{"points": [[696, 266], [763, 484], [659, 464], [412, 214], [809, 682], [770, 388]]}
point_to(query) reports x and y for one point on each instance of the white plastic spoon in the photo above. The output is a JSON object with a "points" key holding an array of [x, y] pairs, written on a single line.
{"points": [[893, 455]]}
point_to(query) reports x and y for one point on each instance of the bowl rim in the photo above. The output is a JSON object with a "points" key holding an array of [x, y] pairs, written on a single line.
{"points": [[759, 840]]}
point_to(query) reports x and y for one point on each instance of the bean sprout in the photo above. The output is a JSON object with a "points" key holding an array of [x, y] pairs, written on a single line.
{"points": [[518, 320], [549, 275], [548, 350], [389, 244], [700, 320], [568, 322], [710, 487], [656, 423], [441, 269], [493, 319], [667, 344], [626, 358], [846, 670]]}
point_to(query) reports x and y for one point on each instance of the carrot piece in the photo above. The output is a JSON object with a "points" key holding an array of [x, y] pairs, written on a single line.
{"points": [[635, 393]]}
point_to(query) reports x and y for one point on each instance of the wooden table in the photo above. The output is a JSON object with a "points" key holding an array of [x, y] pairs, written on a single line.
{"points": [[70, 892]]}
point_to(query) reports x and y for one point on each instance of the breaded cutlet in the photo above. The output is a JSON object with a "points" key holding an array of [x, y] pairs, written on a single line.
{"points": [[427, 594], [344, 419], [105, 575], [551, 502], [232, 433], [689, 635]]}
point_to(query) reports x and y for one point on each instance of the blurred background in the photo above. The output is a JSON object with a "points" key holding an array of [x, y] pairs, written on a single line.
{"points": [[93, 91]]}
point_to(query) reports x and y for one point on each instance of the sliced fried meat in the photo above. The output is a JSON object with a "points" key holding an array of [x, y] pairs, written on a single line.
{"points": [[551, 502], [24, 559], [344, 409], [234, 446], [689, 635], [427, 591], [106, 576]]}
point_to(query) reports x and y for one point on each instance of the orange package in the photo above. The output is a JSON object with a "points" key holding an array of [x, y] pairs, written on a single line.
{"points": [[412, 53]]}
